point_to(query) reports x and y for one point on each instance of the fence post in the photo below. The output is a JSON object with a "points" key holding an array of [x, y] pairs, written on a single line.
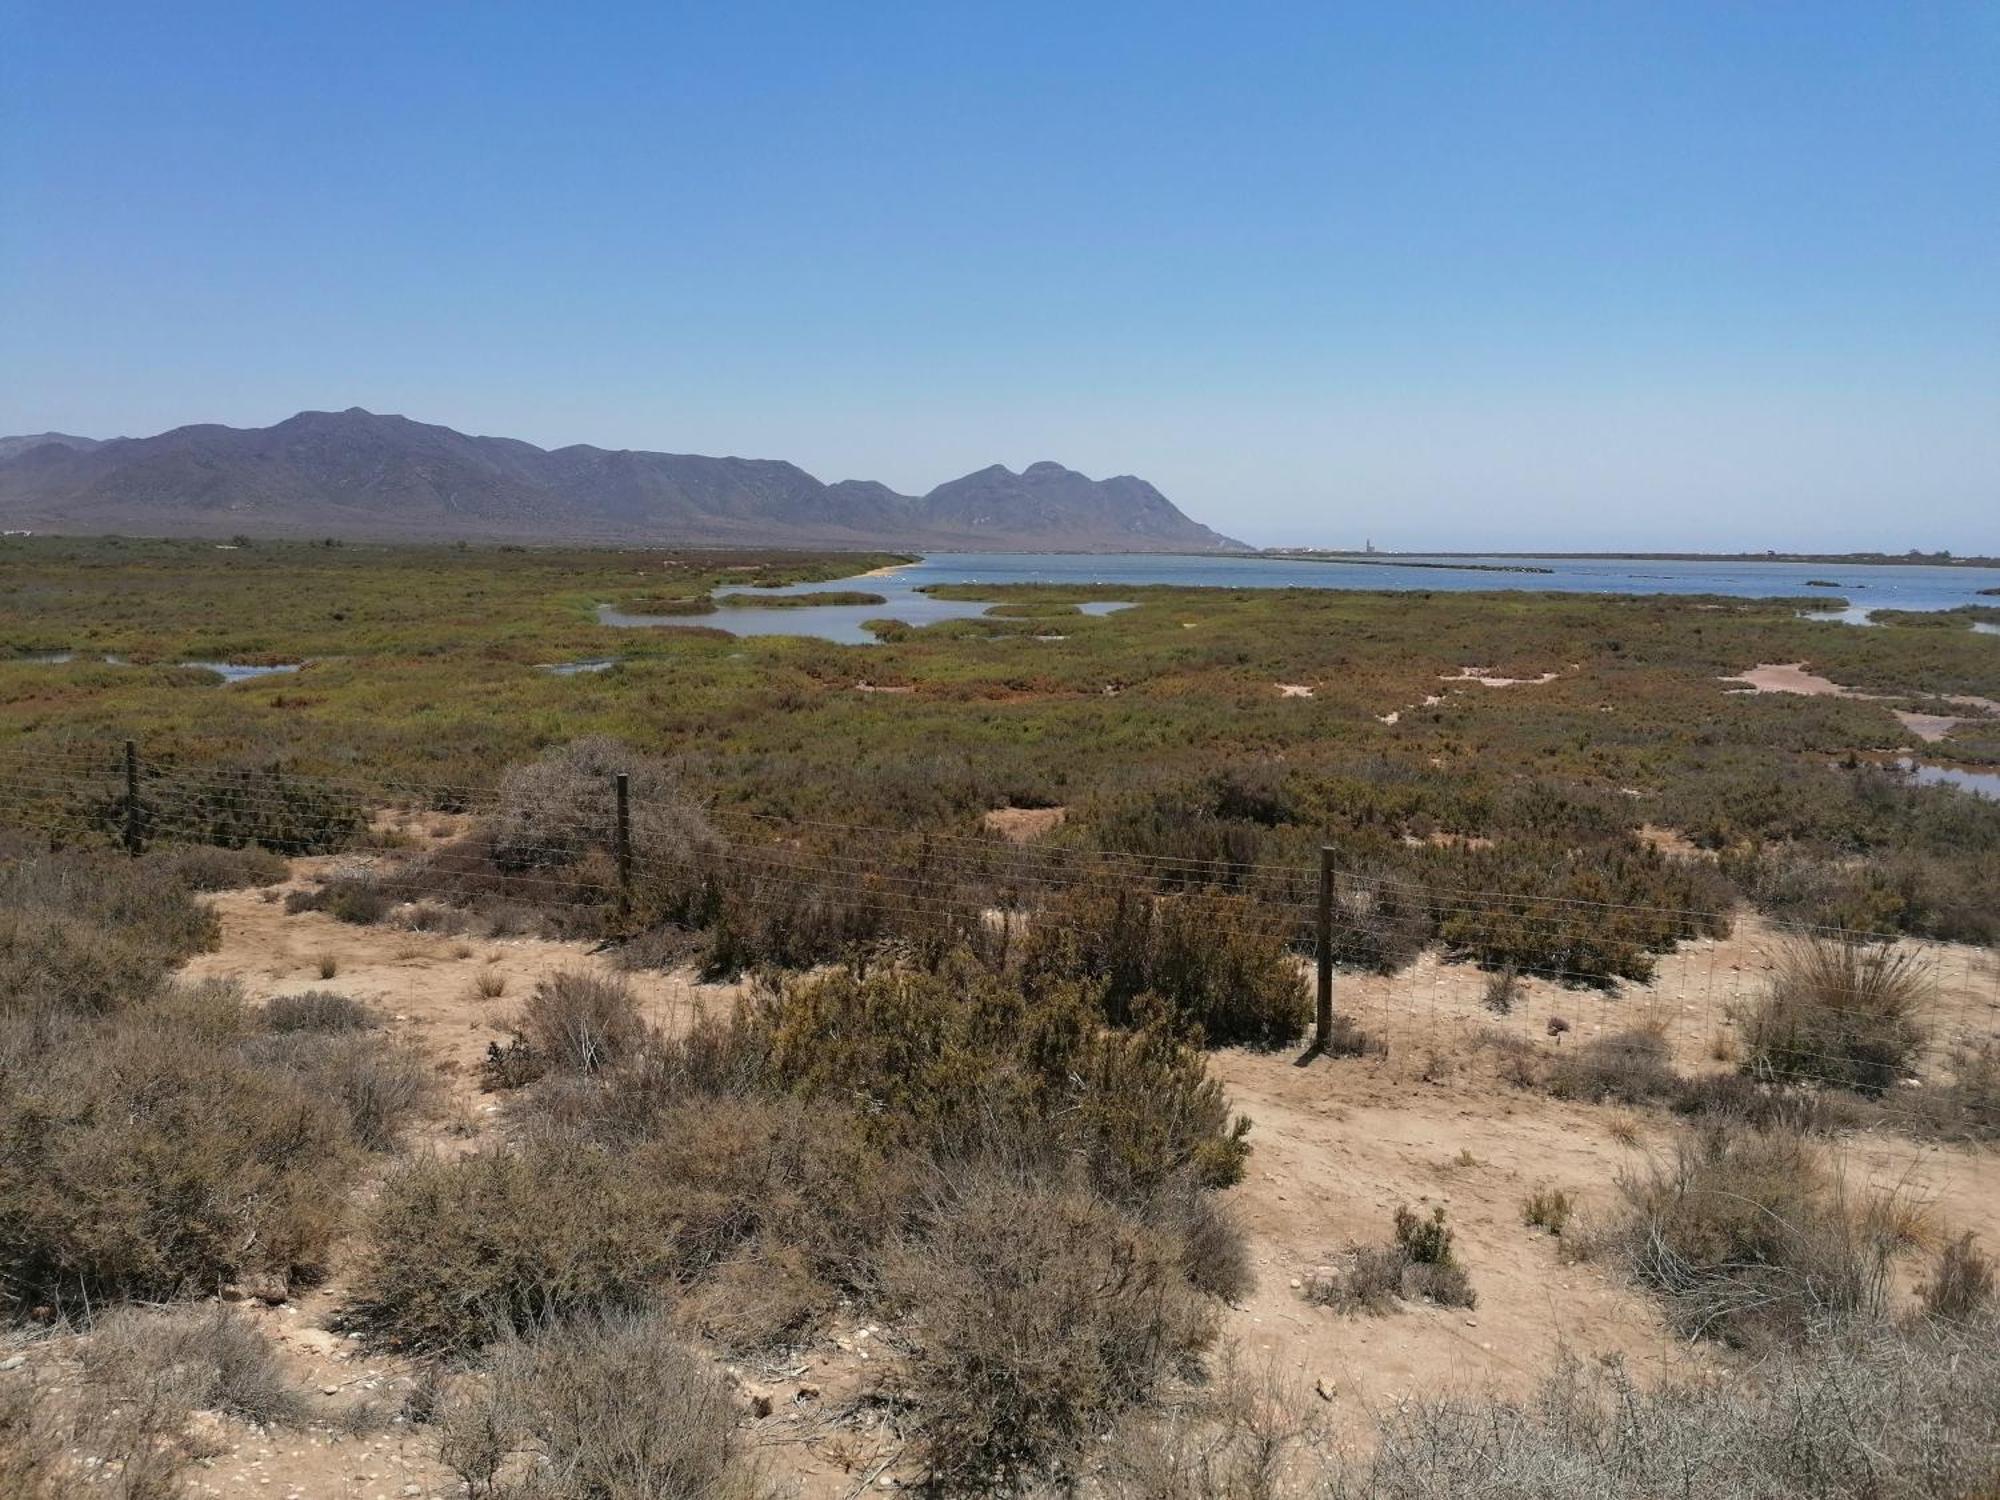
{"points": [[1323, 1019], [623, 784], [131, 797]]}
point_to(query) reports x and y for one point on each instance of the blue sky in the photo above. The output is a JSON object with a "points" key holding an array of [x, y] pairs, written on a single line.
{"points": [[1676, 275]]}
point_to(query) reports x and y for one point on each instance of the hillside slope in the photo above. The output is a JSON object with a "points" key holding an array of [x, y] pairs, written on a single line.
{"points": [[356, 474]]}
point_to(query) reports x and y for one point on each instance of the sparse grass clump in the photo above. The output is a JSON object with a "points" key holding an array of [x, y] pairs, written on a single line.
{"points": [[1844, 1013], [196, 1359], [318, 1010], [607, 1409], [1547, 1208], [1419, 1264], [1869, 1414], [1629, 1067], [1961, 1282], [205, 867], [1752, 1239]]}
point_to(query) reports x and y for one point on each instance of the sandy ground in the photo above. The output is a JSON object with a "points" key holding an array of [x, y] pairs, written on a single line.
{"points": [[1792, 677], [1022, 825], [1338, 1145]]}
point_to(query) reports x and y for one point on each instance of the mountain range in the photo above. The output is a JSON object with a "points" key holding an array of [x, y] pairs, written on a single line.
{"points": [[358, 475]]}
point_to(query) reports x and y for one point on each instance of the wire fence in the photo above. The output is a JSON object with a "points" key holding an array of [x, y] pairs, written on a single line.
{"points": [[1431, 974]]}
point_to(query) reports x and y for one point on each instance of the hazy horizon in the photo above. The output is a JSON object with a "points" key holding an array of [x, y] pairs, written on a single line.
{"points": [[1699, 279]]}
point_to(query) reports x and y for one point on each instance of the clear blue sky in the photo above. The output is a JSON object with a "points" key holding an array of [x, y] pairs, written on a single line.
{"points": [[1600, 274]]}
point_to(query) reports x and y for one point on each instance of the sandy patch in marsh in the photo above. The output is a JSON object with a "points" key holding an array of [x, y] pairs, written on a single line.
{"points": [[1487, 678], [1021, 825]]}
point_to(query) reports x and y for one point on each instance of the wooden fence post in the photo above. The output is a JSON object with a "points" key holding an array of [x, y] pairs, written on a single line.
{"points": [[623, 785], [132, 797], [1323, 1018]]}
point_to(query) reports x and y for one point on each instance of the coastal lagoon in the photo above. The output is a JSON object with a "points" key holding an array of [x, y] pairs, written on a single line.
{"points": [[1864, 587]]}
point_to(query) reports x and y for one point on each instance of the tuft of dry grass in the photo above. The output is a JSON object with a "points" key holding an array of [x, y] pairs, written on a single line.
{"points": [[582, 1022], [1547, 1208], [1844, 1013], [1961, 1284], [1754, 1238]]}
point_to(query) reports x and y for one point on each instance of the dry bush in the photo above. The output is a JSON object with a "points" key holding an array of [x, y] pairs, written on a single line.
{"points": [[86, 935], [1961, 1282], [1502, 991], [490, 984], [555, 810], [1630, 1067], [1965, 1105], [197, 1359], [582, 1022], [33, 1446], [1235, 1437], [359, 899], [465, 1251], [60, 966], [1420, 1264], [203, 867], [766, 1295], [1877, 1413], [617, 1409], [1841, 1013], [381, 1087], [1752, 1239], [1034, 1316], [318, 1010], [159, 1161]]}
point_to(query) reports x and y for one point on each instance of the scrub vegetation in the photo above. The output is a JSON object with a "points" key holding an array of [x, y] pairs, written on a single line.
{"points": [[960, 1113]]}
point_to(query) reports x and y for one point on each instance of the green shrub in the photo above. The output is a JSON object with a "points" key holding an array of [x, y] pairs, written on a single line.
{"points": [[1219, 963], [1418, 1265], [969, 1058]]}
